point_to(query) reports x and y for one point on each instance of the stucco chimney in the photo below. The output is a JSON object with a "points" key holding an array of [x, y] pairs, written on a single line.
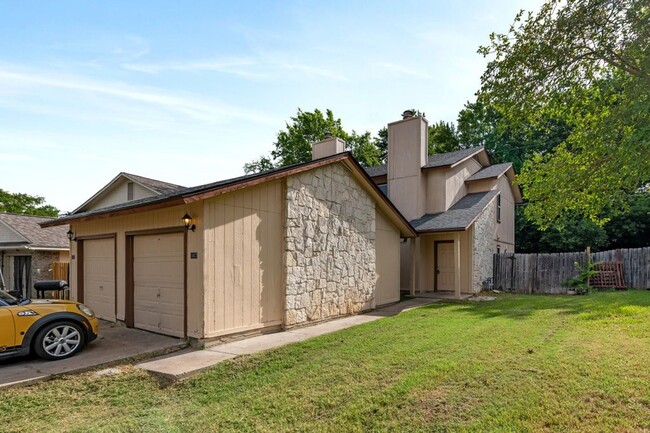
{"points": [[327, 147], [407, 154]]}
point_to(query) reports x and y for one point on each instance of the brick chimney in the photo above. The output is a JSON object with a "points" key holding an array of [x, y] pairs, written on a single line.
{"points": [[327, 147], [407, 154]]}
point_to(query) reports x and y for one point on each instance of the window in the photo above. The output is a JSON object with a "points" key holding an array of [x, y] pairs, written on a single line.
{"points": [[499, 208], [129, 191]]}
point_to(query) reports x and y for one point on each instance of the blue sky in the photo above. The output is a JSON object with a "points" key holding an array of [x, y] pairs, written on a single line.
{"points": [[187, 92]]}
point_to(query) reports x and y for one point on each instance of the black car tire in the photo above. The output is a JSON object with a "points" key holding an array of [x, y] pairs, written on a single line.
{"points": [[59, 340]]}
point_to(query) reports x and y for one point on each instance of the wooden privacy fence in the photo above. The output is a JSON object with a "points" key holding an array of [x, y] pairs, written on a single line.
{"points": [[548, 273], [60, 270]]}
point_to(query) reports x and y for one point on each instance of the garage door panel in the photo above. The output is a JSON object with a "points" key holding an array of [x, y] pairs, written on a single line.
{"points": [[158, 280], [99, 277]]}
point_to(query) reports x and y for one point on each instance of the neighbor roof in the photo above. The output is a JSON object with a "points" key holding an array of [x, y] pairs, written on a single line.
{"points": [[493, 171], [27, 232], [437, 160], [459, 217], [189, 195]]}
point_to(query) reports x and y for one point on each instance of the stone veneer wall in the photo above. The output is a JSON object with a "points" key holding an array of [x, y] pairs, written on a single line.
{"points": [[42, 266], [483, 246], [329, 246]]}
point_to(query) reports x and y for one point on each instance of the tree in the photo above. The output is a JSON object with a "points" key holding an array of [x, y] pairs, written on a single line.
{"points": [[293, 144], [481, 124], [443, 137], [587, 63], [25, 204]]}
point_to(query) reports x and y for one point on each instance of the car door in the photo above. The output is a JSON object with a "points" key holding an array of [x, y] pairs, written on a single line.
{"points": [[7, 328]]}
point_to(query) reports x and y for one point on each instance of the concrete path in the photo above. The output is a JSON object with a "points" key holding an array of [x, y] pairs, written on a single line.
{"points": [[189, 362], [115, 343]]}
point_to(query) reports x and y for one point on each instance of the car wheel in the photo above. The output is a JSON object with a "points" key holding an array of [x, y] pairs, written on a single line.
{"points": [[59, 340]]}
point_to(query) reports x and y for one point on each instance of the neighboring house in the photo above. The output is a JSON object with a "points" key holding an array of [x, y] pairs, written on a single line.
{"points": [[462, 207], [28, 251], [261, 252]]}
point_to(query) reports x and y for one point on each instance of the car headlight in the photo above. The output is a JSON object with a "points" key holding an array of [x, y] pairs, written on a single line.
{"points": [[87, 311]]}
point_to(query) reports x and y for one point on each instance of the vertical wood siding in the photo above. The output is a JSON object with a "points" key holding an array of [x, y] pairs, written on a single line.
{"points": [[243, 260], [387, 256]]}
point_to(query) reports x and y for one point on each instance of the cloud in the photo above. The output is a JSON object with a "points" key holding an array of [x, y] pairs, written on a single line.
{"points": [[231, 66], [188, 105], [402, 69]]}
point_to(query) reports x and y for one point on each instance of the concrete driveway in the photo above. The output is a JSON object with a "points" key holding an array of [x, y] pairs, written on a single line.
{"points": [[115, 343]]}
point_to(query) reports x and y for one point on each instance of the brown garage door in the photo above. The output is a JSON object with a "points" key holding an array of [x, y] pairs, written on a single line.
{"points": [[159, 284], [99, 277]]}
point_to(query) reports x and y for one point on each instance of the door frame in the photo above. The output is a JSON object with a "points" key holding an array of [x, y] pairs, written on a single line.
{"points": [[129, 297], [435, 262], [80, 264]]}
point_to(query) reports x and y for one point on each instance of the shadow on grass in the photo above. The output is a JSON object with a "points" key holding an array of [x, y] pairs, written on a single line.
{"points": [[593, 306]]}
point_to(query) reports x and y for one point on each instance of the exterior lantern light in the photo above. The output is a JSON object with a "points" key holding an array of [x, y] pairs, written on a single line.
{"points": [[70, 235], [187, 220]]}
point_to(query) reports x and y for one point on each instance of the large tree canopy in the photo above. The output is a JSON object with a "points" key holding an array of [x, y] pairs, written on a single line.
{"points": [[25, 204], [293, 144], [585, 63]]}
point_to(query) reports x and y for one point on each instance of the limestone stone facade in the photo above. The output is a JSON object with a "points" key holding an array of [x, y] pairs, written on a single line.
{"points": [[329, 246], [483, 246]]}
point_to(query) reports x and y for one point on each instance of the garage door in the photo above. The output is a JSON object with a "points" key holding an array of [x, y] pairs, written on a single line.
{"points": [[158, 284], [99, 277]]}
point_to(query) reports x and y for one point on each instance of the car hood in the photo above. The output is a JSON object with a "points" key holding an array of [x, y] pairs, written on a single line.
{"points": [[50, 302]]}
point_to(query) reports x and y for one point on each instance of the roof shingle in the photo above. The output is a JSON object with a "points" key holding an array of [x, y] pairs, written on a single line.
{"points": [[28, 227], [490, 172], [459, 217], [435, 160]]}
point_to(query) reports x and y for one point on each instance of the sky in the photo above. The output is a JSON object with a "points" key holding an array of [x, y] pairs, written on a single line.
{"points": [[187, 92]]}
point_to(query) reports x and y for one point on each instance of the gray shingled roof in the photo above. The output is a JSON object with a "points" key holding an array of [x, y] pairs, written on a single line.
{"points": [[377, 170], [490, 172], [436, 160], [459, 217], [187, 192], [156, 185], [451, 158], [28, 227]]}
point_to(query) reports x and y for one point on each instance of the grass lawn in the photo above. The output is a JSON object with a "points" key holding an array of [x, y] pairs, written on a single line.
{"points": [[520, 363]]}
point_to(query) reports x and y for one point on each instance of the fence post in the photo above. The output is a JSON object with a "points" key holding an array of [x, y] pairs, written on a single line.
{"points": [[588, 252]]}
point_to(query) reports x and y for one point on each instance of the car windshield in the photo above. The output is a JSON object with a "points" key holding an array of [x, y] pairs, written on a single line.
{"points": [[6, 298]]}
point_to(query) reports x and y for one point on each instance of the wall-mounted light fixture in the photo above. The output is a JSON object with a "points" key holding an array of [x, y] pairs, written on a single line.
{"points": [[71, 236], [187, 220]]}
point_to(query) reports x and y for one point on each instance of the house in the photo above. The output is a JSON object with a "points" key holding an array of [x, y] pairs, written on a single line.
{"points": [[462, 207], [28, 252], [256, 253]]}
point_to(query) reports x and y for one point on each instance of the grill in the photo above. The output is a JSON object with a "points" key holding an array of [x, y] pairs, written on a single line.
{"points": [[50, 285]]}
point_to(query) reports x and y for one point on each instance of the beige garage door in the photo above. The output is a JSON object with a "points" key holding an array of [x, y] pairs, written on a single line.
{"points": [[158, 283], [99, 277]]}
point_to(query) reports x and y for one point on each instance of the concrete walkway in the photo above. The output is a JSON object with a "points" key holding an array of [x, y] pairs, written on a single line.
{"points": [[115, 344], [189, 362]]}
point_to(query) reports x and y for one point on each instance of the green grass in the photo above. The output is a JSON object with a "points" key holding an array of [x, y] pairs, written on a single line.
{"points": [[520, 363]]}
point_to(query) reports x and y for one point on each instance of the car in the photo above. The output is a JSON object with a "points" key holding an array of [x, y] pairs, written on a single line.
{"points": [[51, 328]]}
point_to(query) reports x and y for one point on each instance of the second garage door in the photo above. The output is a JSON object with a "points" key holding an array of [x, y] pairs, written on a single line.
{"points": [[159, 283]]}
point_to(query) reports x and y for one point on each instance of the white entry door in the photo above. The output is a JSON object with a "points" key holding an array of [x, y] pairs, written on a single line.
{"points": [[159, 283]]}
